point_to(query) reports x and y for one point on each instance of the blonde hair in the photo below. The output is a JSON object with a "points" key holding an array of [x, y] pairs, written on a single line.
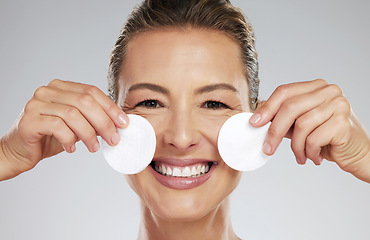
{"points": [[218, 15]]}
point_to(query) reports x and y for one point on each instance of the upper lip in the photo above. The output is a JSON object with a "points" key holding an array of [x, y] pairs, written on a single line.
{"points": [[181, 162]]}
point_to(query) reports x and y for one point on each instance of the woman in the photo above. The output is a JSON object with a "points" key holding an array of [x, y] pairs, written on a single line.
{"points": [[186, 66]]}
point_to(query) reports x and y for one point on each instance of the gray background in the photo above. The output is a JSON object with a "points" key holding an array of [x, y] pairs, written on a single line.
{"points": [[78, 196]]}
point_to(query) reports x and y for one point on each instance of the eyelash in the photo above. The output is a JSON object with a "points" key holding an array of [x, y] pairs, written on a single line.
{"points": [[146, 101], [220, 105], [203, 105]]}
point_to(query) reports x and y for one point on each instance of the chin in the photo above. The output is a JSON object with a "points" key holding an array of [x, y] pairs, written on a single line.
{"points": [[184, 204]]}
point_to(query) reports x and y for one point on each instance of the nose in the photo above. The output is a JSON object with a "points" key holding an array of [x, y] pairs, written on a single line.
{"points": [[181, 132]]}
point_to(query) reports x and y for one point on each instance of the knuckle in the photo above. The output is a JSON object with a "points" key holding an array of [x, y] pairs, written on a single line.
{"points": [[30, 106], [68, 138], [342, 104], [310, 141], [343, 123], [108, 124], [334, 89], [71, 112], [55, 82], [111, 107], [91, 90], [272, 132], [58, 124], [86, 100], [41, 92], [90, 136], [265, 107], [301, 123], [282, 89], [320, 81], [289, 105]]}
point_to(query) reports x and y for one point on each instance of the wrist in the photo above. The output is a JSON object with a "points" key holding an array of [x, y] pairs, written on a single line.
{"points": [[363, 170], [7, 171]]}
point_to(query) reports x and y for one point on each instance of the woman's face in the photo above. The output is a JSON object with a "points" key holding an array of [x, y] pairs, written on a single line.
{"points": [[186, 84]]}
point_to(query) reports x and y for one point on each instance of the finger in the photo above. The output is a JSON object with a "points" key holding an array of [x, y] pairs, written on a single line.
{"points": [[292, 109], [114, 112], [333, 129], [39, 126], [88, 106], [75, 121], [309, 121], [265, 113]]}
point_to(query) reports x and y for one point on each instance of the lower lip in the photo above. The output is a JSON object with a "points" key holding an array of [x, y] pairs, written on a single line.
{"points": [[182, 182]]}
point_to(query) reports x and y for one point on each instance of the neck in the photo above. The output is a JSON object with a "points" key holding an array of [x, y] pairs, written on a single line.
{"points": [[215, 225]]}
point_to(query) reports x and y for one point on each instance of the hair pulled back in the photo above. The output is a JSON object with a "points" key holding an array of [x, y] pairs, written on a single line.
{"points": [[218, 15]]}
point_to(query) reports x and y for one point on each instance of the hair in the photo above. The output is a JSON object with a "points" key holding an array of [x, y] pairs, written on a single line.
{"points": [[218, 15]]}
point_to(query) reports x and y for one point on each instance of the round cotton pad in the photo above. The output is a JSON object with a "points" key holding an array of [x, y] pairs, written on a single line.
{"points": [[136, 148], [240, 145]]}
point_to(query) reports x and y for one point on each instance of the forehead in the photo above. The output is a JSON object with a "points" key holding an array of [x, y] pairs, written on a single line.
{"points": [[195, 55]]}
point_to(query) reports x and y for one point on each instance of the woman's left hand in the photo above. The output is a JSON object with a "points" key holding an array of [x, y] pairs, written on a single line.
{"points": [[320, 123]]}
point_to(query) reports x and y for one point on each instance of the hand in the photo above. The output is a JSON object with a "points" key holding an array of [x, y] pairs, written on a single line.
{"points": [[320, 123], [57, 116]]}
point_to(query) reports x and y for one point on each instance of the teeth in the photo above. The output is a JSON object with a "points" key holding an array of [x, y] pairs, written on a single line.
{"points": [[186, 172], [194, 171], [176, 172], [199, 167], [203, 169], [169, 171]]}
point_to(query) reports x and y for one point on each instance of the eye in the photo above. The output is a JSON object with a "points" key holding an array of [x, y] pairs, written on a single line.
{"points": [[150, 103], [215, 105]]}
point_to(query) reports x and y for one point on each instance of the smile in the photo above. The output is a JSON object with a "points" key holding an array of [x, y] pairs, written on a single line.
{"points": [[182, 173], [188, 171]]}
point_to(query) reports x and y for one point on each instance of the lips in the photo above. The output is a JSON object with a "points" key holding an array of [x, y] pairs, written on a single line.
{"points": [[182, 173]]}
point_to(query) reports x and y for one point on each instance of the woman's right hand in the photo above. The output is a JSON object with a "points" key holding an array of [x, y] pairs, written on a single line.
{"points": [[57, 116]]}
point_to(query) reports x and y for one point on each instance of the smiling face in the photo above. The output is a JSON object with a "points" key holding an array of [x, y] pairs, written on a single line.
{"points": [[186, 83]]}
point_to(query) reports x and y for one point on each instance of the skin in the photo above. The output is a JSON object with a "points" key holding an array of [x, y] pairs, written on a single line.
{"points": [[186, 127], [320, 123], [314, 114]]}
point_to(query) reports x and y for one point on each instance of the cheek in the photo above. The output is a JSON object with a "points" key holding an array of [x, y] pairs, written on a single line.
{"points": [[209, 126]]}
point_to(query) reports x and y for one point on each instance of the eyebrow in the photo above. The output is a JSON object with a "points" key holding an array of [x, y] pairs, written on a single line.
{"points": [[214, 87], [150, 86]]}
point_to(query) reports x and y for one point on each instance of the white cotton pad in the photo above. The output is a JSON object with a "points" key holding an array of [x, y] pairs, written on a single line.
{"points": [[240, 145], [136, 148]]}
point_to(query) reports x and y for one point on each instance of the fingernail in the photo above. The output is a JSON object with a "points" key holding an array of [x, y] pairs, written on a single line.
{"points": [[266, 148], [301, 161], [115, 138], [255, 118], [96, 147], [320, 158], [73, 148], [122, 119]]}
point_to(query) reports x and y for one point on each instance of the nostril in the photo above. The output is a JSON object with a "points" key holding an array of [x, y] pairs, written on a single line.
{"points": [[183, 146], [181, 132]]}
